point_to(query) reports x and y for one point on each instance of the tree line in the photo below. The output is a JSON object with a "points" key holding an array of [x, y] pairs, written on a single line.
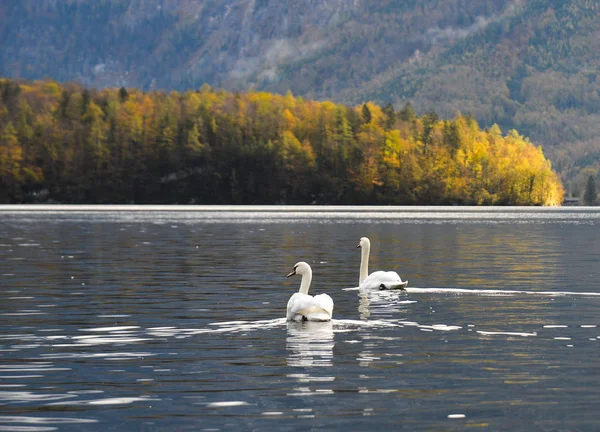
{"points": [[71, 144]]}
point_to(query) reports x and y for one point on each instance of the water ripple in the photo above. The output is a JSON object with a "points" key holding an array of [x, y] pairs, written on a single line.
{"points": [[27, 396], [171, 319], [45, 420]]}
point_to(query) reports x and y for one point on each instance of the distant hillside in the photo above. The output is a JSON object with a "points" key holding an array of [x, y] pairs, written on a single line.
{"points": [[530, 65], [75, 145]]}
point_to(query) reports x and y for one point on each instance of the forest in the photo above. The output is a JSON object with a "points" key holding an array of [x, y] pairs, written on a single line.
{"points": [[65, 143]]}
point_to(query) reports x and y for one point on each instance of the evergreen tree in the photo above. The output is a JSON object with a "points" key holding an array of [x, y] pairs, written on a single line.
{"points": [[390, 116], [429, 121], [123, 94], [366, 114], [589, 197], [407, 113]]}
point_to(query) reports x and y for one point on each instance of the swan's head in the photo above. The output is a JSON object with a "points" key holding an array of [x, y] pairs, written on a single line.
{"points": [[364, 242], [300, 268]]}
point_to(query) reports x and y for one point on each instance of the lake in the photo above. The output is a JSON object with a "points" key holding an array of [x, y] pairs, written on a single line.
{"points": [[173, 318]]}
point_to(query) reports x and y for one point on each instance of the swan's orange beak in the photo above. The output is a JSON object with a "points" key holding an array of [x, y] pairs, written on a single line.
{"points": [[292, 273]]}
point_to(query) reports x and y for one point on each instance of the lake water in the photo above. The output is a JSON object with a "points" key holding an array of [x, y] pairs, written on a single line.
{"points": [[172, 318]]}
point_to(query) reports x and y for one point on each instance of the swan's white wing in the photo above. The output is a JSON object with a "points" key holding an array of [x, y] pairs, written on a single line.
{"points": [[325, 302], [383, 280], [302, 307]]}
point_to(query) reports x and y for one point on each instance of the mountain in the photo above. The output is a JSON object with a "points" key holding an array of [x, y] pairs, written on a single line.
{"points": [[529, 65]]}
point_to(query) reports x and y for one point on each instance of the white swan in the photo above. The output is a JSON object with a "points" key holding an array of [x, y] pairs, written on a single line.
{"points": [[304, 307], [377, 280]]}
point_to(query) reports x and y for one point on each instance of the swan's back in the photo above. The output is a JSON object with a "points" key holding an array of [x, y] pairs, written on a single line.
{"points": [[383, 280], [304, 307]]}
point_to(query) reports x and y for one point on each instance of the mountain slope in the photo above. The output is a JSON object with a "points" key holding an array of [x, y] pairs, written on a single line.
{"points": [[314, 48], [533, 65]]}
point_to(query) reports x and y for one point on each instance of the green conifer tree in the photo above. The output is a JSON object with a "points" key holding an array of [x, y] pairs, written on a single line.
{"points": [[589, 196], [366, 114]]}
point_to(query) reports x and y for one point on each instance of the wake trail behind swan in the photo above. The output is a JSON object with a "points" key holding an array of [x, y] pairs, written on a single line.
{"points": [[493, 292]]}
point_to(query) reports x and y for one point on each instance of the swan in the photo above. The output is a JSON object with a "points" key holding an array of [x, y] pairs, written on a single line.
{"points": [[304, 307], [377, 280]]}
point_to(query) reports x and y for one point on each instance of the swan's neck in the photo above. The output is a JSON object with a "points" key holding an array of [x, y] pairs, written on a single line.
{"points": [[364, 262], [305, 284]]}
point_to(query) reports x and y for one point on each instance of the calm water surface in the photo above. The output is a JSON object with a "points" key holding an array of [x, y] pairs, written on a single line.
{"points": [[162, 318]]}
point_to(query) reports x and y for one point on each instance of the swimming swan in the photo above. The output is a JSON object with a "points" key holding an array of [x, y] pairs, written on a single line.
{"points": [[377, 280], [304, 307]]}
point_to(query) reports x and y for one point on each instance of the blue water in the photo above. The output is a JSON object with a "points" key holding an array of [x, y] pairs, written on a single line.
{"points": [[172, 318]]}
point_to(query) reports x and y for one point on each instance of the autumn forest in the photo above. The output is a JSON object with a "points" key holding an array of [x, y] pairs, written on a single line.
{"points": [[63, 143]]}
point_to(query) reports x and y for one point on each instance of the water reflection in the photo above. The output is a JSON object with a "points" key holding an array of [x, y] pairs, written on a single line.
{"points": [[310, 344], [382, 303], [24, 423]]}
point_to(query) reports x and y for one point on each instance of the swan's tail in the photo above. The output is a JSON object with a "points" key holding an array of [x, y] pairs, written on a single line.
{"points": [[311, 316], [393, 285]]}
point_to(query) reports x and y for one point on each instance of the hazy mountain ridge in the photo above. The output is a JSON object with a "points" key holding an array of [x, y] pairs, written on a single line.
{"points": [[529, 65], [182, 44]]}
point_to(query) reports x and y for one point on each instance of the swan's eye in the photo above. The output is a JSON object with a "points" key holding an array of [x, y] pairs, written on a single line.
{"points": [[295, 268]]}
